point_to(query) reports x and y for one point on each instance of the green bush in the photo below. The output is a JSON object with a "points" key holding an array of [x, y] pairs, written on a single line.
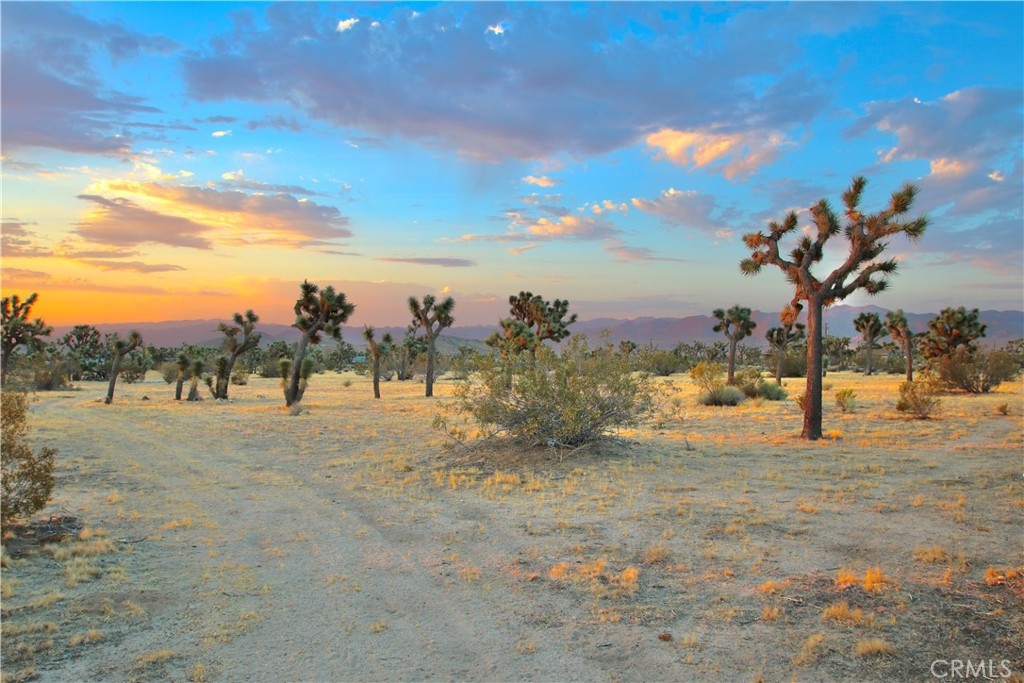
{"points": [[561, 400], [659, 362], [920, 398], [169, 372], [747, 381], [27, 477], [770, 391], [722, 396], [708, 376], [976, 372], [846, 400]]}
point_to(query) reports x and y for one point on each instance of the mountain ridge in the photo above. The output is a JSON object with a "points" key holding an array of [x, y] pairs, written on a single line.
{"points": [[661, 331]]}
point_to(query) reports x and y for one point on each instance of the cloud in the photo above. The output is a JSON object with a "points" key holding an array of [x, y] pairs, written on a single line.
{"points": [[51, 96], [443, 262], [577, 80], [573, 227], [682, 208], [18, 241], [133, 266], [242, 219], [220, 133], [542, 181], [276, 123], [519, 250], [120, 221], [345, 25], [736, 154], [626, 254], [216, 119]]}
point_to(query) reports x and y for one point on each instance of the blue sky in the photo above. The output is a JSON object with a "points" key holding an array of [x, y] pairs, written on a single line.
{"points": [[186, 160]]}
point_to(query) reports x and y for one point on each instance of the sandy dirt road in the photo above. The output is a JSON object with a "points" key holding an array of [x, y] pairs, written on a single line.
{"points": [[343, 544]]}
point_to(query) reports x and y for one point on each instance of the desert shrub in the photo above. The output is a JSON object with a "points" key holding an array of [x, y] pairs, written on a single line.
{"points": [[658, 362], [169, 372], [561, 400], [708, 376], [725, 395], [976, 372], [747, 381], [920, 398], [799, 400], [27, 478], [49, 371], [846, 400], [240, 376], [770, 391]]}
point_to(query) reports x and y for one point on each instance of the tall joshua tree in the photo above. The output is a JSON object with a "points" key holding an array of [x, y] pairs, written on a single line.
{"points": [[899, 330], [871, 330], [317, 312], [779, 338], [950, 329], [867, 236], [736, 325], [533, 320], [17, 330], [244, 325], [183, 363], [121, 348], [376, 352], [432, 317]]}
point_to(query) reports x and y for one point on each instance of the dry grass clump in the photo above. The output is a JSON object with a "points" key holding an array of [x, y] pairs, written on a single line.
{"points": [[808, 654], [930, 554], [841, 613], [90, 636], [873, 647]]}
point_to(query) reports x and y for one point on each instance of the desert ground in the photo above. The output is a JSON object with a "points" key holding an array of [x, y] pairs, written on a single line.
{"points": [[235, 541]]}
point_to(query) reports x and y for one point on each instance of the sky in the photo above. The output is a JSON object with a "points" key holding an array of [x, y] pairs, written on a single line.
{"points": [[185, 160]]}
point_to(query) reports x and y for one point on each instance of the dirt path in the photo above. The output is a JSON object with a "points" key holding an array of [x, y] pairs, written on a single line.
{"points": [[341, 545]]}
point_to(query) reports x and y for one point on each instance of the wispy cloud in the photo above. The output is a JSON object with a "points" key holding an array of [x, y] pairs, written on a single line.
{"points": [[120, 221], [443, 262], [133, 266], [539, 181]]}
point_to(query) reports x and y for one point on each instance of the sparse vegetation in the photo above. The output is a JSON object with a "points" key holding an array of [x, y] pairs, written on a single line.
{"points": [[920, 398], [17, 329], [27, 479], [432, 316]]}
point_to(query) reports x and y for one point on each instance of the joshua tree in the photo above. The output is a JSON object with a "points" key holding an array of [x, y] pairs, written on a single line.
{"points": [[121, 348], [432, 317], [376, 352], [317, 312], [182, 362], [735, 324], [950, 329], [867, 236], [871, 329], [195, 373], [17, 330], [235, 347], [779, 338], [899, 330], [533, 320]]}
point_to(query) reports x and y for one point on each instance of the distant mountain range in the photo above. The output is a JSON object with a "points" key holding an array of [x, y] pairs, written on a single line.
{"points": [[664, 332]]}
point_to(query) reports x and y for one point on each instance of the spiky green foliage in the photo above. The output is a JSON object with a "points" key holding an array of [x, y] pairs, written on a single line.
{"points": [[866, 238], [27, 476], [736, 325], [17, 330], [195, 373], [88, 354], [899, 329], [567, 399], [951, 329], [432, 317], [779, 339], [235, 346], [120, 348], [377, 352], [871, 330], [318, 312], [532, 321]]}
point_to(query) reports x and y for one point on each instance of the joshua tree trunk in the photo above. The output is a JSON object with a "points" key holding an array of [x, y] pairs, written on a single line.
{"points": [[178, 387], [292, 394], [870, 343], [812, 394], [778, 364], [732, 360], [908, 351], [114, 369], [376, 375], [430, 362]]}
